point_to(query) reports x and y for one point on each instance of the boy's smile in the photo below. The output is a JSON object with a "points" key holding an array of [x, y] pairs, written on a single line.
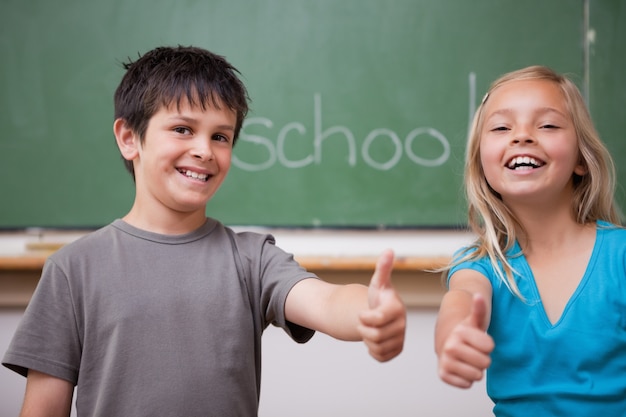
{"points": [[195, 175], [181, 163]]}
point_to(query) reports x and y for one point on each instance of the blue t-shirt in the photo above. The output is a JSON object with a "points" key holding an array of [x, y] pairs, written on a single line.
{"points": [[574, 367]]}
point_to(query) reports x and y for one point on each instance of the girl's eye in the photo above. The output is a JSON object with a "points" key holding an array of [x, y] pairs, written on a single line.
{"points": [[182, 130], [549, 126], [500, 129]]}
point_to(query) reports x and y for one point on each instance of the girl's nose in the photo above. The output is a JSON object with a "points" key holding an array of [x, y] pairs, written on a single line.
{"points": [[523, 136], [525, 139]]}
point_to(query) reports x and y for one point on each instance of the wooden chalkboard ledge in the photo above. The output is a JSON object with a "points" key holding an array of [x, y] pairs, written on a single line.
{"points": [[334, 255], [19, 276]]}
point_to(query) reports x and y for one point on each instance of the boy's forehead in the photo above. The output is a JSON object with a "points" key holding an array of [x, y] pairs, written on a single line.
{"points": [[195, 103], [192, 108]]}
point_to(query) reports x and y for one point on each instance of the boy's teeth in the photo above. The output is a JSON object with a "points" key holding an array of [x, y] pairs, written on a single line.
{"points": [[196, 175]]}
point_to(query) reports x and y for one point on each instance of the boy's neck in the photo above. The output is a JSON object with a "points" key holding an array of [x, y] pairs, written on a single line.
{"points": [[167, 224]]}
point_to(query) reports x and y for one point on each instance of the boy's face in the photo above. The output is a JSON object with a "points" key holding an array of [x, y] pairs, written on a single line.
{"points": [[184, 159]]}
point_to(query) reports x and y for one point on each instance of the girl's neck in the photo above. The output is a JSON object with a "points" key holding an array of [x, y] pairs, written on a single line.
{"points": [[549, 231], [546, 222]]}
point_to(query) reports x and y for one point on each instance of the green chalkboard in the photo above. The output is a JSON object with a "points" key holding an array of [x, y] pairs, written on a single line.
{"points": [[360, 108], [606, 44]]}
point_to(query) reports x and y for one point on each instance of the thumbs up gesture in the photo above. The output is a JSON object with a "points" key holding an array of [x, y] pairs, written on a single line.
{"points": [[465, 353], [478, 312], [382, 326]]}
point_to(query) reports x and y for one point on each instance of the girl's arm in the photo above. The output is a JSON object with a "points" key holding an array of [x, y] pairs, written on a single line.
{"points": [[461, 342], [46, 396], [374, 314]]}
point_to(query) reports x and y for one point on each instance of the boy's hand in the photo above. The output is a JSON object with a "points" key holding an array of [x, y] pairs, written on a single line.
{"points": [[465, 354], [383, 325]]}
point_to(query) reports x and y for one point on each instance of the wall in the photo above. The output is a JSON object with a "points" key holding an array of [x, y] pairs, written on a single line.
{"points": [[325, 377]]}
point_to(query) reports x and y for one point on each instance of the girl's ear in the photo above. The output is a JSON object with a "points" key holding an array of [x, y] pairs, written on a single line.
{"points": [[581, 169], [127, 140]]}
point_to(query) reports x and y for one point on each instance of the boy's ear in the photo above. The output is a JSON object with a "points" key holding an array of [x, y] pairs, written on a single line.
{"points": [[127, 140]]}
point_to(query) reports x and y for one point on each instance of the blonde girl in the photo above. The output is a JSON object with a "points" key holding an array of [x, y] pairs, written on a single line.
{"points": [[539, 299]]}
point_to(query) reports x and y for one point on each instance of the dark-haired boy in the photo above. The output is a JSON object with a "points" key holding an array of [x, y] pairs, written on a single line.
{"points": [[161, 312]]}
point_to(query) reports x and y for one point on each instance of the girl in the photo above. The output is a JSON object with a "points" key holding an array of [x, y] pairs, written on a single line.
{"points": [[539, 299]]}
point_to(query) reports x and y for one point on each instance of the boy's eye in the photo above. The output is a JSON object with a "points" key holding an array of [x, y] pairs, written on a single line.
{"points": [[220, 138], [182, 130]]}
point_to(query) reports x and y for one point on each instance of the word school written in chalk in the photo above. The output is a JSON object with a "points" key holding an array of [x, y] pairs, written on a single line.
{"points": [[276, 151]]}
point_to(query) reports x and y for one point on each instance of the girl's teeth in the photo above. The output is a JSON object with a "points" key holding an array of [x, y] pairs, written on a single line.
{"points": [[523, 162]]}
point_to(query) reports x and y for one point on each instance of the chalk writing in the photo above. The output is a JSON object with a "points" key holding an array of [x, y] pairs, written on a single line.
{"points": [[276, 151]]}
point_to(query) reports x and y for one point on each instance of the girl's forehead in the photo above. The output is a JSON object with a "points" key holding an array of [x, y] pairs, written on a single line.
{"points": [[526, 94], [540, 89]]}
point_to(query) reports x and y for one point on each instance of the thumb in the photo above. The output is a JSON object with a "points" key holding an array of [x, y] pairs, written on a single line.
{"points": [[381, 279], [478, 312]]}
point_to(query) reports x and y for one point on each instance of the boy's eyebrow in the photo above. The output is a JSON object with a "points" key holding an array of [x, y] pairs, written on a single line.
{"points": [[187, 119], [226, 127]]}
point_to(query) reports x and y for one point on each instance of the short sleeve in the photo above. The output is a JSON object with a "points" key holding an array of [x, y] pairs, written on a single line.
{"points": [[480, 265], [272, 273], [47, 339]]}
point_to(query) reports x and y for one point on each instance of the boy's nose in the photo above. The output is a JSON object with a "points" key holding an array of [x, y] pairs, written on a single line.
{"points": [[202, 150]]}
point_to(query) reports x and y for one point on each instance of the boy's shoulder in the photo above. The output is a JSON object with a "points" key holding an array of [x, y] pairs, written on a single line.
{"points": [[101, 239], [94, 239], [115, 239], [250, 238]]}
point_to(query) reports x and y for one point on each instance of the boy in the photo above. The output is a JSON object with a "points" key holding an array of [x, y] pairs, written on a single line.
{"points": [[162, 312]]}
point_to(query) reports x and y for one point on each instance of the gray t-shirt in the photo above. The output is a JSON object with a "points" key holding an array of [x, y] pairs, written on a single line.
{"points": [[154, 325]]}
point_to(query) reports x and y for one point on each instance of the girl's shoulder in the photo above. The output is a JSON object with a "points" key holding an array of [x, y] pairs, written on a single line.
{"points": [[615, 234], [610, 228], [469, 257]]}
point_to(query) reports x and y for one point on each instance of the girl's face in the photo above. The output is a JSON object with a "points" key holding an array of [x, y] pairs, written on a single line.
{"points": [[528, 145]]}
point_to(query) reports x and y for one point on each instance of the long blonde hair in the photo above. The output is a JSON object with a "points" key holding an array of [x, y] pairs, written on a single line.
{"points": [[492, 221]]}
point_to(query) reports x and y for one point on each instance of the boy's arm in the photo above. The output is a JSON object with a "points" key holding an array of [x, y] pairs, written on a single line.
{"points": [[461, 342], [374, 314], [46, 396]]}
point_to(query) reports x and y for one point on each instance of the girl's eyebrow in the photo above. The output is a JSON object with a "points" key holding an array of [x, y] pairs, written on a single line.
{"points": [[551, 110], [539, 110]]}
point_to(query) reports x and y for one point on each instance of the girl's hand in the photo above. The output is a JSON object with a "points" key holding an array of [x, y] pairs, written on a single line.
{"points": [[465, 354]]}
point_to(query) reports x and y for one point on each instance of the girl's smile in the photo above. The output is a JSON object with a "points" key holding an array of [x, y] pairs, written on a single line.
{"points": [[528, 145], [524, 163]]}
